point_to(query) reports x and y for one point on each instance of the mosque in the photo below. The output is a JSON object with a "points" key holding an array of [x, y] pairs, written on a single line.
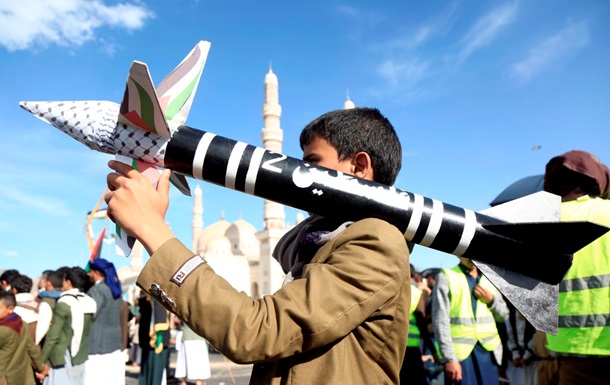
{"points": [[237, 251]]}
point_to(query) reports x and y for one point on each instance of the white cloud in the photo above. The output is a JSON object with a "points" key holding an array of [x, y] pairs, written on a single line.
{"points": [[486, 28], [406, 73], [18, 197], [405, 68], [548, 52], [39, 23], [350, 11]]}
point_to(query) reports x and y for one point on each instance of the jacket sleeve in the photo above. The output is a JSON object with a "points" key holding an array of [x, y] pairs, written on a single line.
{"points": [[100, 298], [511, 343], [34, 354], [441, 318], [498, 308], [45, 314], [54, 333], [365, 267]]}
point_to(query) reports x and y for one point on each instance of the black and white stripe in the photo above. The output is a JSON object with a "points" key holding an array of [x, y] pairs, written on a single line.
{"points": [[440, 226]]}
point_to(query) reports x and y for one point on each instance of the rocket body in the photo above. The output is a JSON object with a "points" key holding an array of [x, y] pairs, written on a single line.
{"points": [[293, 182], [525, 260]]}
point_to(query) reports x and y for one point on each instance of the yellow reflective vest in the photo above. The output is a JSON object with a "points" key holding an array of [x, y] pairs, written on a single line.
{"points": [[414, 334], [584, 293], [467, 328]]}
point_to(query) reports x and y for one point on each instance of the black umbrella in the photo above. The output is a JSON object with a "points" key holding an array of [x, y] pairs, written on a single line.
{"points": [[522, 187]]}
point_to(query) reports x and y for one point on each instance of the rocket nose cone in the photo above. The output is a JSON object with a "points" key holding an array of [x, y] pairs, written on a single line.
{"points": [[42, 110], [90, 122], [27, 106]]}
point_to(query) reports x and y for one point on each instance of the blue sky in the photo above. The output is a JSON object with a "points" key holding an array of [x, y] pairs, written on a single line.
{"points": [[472, 87]]}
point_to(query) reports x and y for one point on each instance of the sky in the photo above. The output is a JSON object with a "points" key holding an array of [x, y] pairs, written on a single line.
{"points": [[481, 94]]}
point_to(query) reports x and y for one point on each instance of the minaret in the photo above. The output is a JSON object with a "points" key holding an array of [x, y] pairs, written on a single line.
{"points": [[348, 105], [269, 273], [197, 216], [272, 136]]}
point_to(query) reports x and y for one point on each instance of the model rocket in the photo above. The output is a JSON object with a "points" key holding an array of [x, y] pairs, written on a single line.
{"points": [[524, 259]]}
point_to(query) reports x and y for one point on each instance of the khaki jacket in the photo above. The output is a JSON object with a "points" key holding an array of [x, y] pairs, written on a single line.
{"points": [[344, 322], [18, 353], [59, 336]]}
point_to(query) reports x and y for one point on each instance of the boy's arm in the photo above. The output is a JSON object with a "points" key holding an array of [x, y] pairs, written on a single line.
{"points": [[53, 335], [498, 308], [420, 319], [33, 353], [441, 318], [366, 268], [99, 298], [45, 314], [511, 343]]}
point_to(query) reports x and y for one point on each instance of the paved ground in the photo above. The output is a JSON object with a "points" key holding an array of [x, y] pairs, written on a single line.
{"points": [[224, 372]]}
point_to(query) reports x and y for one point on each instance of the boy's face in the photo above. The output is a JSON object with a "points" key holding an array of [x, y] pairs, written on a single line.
{"points": [[5, 311], [321, 153]]}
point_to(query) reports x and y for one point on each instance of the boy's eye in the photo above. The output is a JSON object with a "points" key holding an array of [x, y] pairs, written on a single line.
{"points": [[311, 159]]}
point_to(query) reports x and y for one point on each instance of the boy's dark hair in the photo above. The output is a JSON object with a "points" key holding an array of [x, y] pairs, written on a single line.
{"points": [[9, 275], [78, 277], [22, 284], [431, 272], [63, 270], [56, 279], [8, 298], [45, 273], [355, 130]]}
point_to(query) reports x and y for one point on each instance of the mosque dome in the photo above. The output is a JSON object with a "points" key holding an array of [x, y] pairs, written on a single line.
{"points": [[219, 245], [212, 231], [242, 235]]}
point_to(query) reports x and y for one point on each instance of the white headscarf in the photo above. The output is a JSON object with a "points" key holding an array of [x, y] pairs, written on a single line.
{"points": [[80, 304]]}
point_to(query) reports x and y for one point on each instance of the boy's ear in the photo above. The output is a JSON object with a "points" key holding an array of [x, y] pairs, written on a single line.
{"points": [[363, 167]]}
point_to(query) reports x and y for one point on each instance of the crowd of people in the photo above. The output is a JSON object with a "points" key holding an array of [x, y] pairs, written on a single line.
{"points": [[474, 336], [351, 310], [77, 328]]}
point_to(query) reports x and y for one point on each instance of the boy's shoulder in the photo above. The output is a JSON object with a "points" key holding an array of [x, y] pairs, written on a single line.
{"points": [[376, 231], [376, 227]]}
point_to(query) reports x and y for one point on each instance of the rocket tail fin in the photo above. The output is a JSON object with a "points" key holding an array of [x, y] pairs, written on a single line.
{"points": [[140, 106], [561, 237], [177, 91], [535, 220], [536, 300], [179, 181]]}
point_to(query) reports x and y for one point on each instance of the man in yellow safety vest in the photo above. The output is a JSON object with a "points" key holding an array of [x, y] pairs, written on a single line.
{"points": [[465, 309], [582, 343]]}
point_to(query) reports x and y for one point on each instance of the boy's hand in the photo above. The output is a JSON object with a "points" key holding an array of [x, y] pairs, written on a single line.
{"points": [[137, 207], [45, 372]]}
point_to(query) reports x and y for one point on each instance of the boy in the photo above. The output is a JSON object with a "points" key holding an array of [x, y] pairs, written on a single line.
{"points": [[16, 346], [36, 313], [344, 316], [65, 348]]}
